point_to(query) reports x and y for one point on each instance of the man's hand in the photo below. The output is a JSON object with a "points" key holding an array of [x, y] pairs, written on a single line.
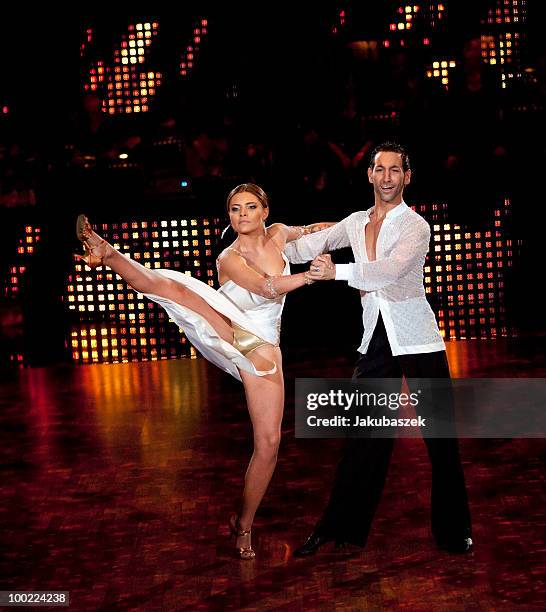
{"points": [[322, 268]]}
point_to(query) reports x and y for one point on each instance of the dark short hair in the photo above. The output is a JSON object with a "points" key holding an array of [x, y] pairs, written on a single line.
{"points": [[392, 147]]}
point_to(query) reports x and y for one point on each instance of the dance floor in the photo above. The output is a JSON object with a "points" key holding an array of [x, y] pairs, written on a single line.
{"points": [[117, 482]]}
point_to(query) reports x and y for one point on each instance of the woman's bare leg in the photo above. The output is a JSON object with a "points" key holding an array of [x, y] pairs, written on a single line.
{"points": [[265, 400], [145, 280]]}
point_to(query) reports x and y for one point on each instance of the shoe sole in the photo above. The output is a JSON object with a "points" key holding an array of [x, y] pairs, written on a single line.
{"points": [[80, 224]]}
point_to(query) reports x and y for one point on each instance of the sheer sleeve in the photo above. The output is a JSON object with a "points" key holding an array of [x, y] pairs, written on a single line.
{"points": [[309, 246]]}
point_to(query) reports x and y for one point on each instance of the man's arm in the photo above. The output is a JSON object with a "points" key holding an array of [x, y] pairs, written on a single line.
{"points": [[411, 249], [309, 246]]}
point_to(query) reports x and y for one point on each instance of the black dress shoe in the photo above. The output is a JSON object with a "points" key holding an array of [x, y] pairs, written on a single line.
{"points": [[311, 545], [458, 546]]}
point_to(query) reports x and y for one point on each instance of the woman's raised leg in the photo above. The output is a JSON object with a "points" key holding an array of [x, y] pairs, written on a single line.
{"points": [[144, 280]]}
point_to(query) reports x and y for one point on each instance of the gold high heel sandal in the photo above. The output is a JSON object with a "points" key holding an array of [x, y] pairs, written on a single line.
{"points": [[245, 552], [83, 232]]}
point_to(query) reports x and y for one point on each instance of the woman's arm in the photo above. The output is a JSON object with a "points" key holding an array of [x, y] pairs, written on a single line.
{"points": [[235, 267], [288, 233]]}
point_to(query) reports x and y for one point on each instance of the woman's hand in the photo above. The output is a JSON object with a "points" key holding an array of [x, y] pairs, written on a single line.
{"points": [[322, 268]]}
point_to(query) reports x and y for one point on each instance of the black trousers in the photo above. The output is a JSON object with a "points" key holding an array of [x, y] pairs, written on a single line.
{"points": [[362, 470]]}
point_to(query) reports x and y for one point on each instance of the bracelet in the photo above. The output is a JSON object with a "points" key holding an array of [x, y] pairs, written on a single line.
{"points": [[308, 279], [272, 292]]}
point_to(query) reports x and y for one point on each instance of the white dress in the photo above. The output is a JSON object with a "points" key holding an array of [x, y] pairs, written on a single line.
{"points": [[259, 315]]}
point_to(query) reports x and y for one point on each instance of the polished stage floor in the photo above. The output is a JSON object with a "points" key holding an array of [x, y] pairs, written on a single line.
{"points": [[117, 481]]}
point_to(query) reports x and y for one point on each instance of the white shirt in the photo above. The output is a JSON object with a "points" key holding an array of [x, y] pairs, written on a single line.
{"points": [[392, 284]]}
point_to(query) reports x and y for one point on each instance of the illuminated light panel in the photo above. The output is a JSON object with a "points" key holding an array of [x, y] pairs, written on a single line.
{"points": [[137, 340], [189, 55], [97, 74], [26, 248], [439, 69], [340, 21], [87, 39], [503, 12], [132, 88], [428, 15], [404, 17], [464, 276], [129, 85], [501, 44]]}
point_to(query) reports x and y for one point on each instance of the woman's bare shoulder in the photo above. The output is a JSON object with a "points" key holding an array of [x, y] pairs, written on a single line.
{"points": [[278, 232], [229, 250], [276, 229]]}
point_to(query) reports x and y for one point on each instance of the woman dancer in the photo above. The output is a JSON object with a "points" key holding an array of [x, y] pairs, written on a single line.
{"points": [[237, 327]]}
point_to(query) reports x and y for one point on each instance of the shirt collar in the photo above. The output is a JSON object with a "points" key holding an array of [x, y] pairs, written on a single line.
{"points": [[395, 212]]}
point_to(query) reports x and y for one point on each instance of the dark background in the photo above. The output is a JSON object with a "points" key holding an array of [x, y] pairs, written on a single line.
{"points": [[278, 72]]}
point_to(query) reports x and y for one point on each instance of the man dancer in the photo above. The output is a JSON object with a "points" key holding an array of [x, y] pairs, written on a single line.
{"points": [[401, 337]]}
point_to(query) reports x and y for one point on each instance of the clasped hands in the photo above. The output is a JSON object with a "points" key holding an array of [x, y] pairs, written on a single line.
{"points": [[322, 268]]}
